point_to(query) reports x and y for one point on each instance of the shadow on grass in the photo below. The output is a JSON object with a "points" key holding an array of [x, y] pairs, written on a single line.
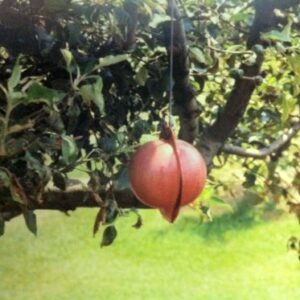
{"points": [[243, 217]]}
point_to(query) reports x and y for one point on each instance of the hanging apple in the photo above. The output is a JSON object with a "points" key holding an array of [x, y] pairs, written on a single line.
{"points": [[167, 173]]}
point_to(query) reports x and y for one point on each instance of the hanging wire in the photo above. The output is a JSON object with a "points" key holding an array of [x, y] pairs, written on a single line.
{"points": [[171, 63]]}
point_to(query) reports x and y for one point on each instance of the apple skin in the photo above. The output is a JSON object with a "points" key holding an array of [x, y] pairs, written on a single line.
{"points": [[155, 174]]}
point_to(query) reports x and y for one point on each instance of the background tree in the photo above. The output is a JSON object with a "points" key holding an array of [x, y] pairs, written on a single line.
{"points": [[83, 83]]}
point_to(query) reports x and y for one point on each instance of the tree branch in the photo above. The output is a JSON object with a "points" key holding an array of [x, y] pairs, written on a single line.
{"points": [[273, 148], [186, 105], [131, 25], [72, 198], [214, 137]]}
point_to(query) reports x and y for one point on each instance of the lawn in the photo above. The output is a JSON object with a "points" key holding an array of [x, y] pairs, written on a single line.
{"points": [[231, 258]]}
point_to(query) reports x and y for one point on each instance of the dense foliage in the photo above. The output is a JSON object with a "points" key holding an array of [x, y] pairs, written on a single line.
{"points": [[83, 83]]}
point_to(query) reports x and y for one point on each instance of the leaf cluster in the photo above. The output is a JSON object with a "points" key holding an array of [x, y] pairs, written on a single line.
{"points": [[83, 83]]}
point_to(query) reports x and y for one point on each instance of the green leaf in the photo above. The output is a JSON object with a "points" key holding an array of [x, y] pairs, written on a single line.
{"points": [[197, 55], [71, 64], [111, 213], [122, 135], [288, 105], [288, 27], [142, 75], [4, 178], [69, 150], [93, 93], [294, 62], [140, 127], [239, 17], [206, 211], [280, 47], [145, 138], [108, 144], [109, 235], [30, 220], [98, 98], [255, 138], [32, 162], [122, 180], [275, 35], [111, 60], [39, 93], [87, 94], [158, 19], [236, 73], [56, 123], [2, 226], [258, 49], [15, 76], [68, 57]]}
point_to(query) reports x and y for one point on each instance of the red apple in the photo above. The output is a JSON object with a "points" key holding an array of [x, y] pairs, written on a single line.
{"points": [[156, 176]]}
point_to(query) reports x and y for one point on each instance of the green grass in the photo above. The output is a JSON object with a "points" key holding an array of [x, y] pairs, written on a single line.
{"points": [[234, 257]]}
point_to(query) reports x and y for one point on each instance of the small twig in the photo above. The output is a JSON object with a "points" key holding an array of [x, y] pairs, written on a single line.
{"points": [[274, 147], [229, 51]]}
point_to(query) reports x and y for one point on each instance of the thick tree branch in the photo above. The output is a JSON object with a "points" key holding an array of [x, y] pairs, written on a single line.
{"points": [[273, 148], [72, 198], [130, 26], [186, 105], [214, 137]]}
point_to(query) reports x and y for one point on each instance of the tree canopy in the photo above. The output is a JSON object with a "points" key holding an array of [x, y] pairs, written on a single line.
{"points": [[84, 83]]}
